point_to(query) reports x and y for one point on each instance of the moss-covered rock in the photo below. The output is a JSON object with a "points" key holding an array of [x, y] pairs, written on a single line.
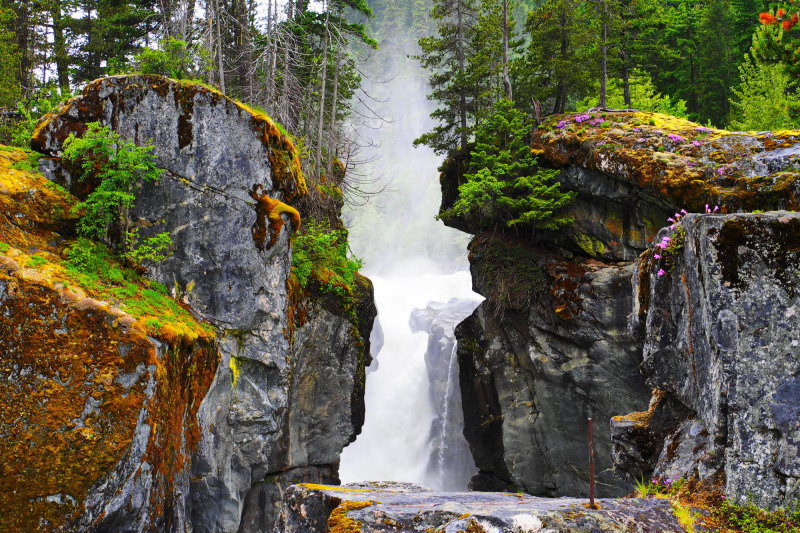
{"points": [[97, 408], [683, 163]]}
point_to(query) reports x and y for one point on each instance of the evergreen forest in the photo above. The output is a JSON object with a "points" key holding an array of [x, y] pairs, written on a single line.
{"points": [[305, 62]]}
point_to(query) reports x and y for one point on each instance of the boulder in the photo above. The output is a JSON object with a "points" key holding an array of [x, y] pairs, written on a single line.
{"points": [[267, 420], [720, 329]]}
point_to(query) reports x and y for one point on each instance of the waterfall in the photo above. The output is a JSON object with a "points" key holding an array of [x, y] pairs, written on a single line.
{"points": [[441, 450], [413, 260]]}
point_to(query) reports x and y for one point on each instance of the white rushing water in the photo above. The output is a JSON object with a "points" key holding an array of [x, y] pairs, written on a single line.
{"points": [[395, 442], [441, 445]]}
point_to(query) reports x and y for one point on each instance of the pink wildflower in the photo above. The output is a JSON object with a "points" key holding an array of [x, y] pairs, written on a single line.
{"points": [[656, 256], [661, 272]]}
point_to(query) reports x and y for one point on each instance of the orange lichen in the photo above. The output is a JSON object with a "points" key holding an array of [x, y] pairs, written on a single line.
{"points": [[641, 419], [76, 372], [65, 415], [270, 209]]}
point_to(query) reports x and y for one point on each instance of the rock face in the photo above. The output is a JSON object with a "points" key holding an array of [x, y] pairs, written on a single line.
{"points": [[373, 508], [529, 380], [450, 465], [267, 420], [552, 345], [721, 330], [98, 418]]}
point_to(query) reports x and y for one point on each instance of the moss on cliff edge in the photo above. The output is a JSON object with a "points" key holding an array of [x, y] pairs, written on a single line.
{"points": [[685, 163], [90, 107], [35, 231]]}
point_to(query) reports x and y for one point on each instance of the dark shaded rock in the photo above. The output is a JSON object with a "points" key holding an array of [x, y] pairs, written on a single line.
{"points": [[721, 341], [530, 380], [638, 439], [393, 507]]}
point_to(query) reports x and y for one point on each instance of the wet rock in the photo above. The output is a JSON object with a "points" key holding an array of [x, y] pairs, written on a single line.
{"points": [[530, 379], [384, 508]]}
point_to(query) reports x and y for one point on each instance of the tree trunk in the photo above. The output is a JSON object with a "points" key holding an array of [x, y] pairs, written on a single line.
{"points": [[218, 16], [60, 48], [506, 78], [603, 53], [324, 80], [626, 77], [334, 104], [462, 111]]}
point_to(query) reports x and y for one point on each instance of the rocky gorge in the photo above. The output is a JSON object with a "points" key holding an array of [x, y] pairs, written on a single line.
{"points": [[688, 358], [214, 394]]}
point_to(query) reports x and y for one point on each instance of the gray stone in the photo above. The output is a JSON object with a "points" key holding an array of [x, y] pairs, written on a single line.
{"points": [[530, 380], [721, 340], [384, 508], [274, 406]]}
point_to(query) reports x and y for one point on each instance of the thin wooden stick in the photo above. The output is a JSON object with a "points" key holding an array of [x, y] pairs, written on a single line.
{"points": [[591, 467]]}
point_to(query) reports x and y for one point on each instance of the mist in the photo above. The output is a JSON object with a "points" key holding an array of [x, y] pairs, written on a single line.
{"points": [[412, 259]]}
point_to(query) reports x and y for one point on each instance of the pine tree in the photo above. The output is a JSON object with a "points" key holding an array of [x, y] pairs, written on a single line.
{"points": [[557, 65], [504, 185], [445, 55]]}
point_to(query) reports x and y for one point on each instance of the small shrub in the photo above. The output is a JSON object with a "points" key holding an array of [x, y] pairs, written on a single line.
{"points": [[659, 486], [174, 59], [35, 261], [119, 165], [32, 110], [4, 247], [320, 256], [750, 519], [150, 249]]}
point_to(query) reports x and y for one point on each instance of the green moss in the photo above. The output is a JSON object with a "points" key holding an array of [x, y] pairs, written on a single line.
{"points": [[35, 261], [750, 519], [591, 245], [30, 163], [93, 266], [4, 247]]}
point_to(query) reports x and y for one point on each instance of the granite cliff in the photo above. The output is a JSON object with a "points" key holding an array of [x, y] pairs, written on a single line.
{"points": [[576, 324], [197, 422]]}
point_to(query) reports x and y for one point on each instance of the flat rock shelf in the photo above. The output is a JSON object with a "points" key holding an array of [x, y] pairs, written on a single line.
{"points": [[400, 507]]}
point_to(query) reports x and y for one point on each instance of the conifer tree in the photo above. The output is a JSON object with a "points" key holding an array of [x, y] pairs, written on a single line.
{"points": [[445, 55], [504, 185]]}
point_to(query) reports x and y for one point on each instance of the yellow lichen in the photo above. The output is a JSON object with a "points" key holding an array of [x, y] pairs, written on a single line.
{"points": [[233, 364], [340, 522], [678, 159], [591, 245]]}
